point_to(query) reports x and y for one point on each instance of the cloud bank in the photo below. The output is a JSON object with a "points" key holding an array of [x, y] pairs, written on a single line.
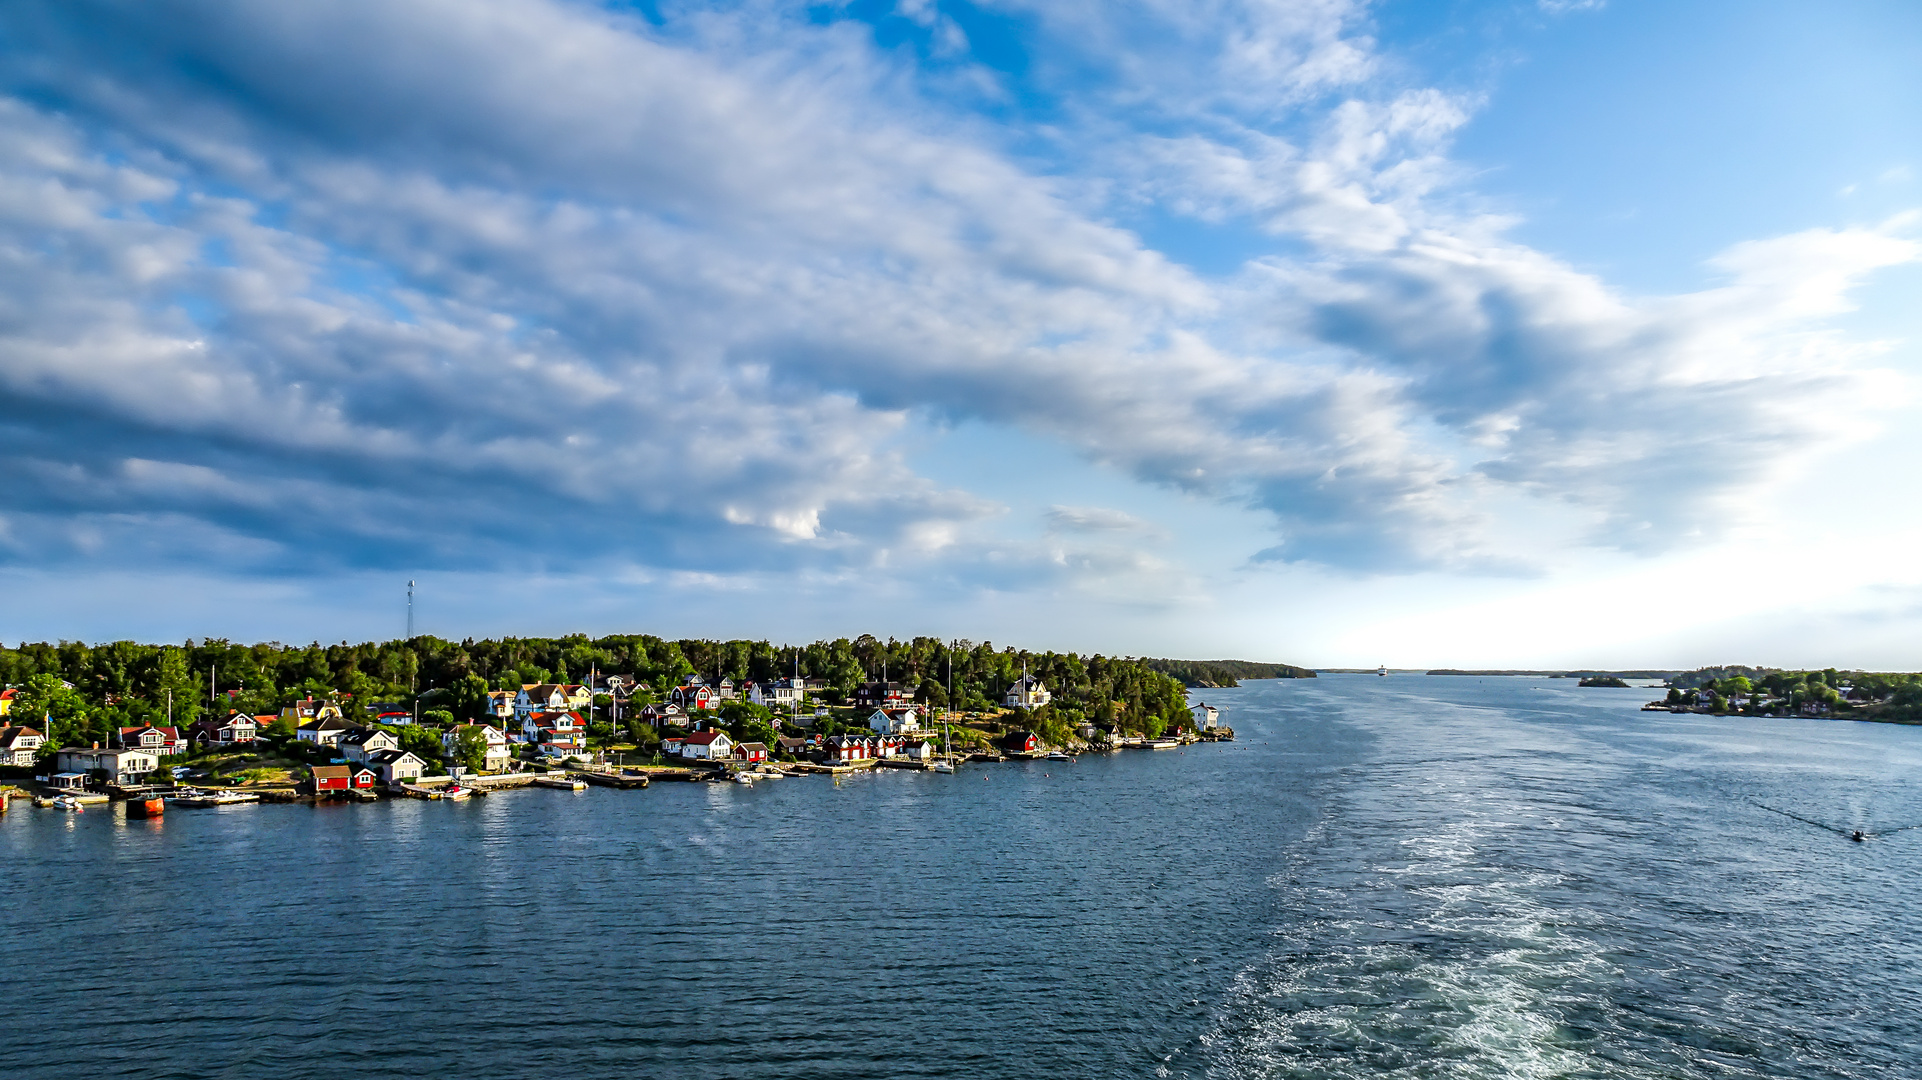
{"points": [[528, 285]]}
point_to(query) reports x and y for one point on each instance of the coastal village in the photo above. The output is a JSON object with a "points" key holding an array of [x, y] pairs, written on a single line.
{"points": [[330, 747]]}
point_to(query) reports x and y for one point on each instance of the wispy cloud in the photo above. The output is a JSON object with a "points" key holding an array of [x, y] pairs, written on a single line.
{"points": [[530, 284]]}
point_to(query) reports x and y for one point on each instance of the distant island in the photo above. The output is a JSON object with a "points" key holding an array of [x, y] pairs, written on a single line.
{"points": [[1602, 680], [1738, 690], [1213, 673], [1582, 674]]}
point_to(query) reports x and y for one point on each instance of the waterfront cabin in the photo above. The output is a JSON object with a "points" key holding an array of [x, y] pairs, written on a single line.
{"points": [[1207, 717], [915, 750], [751, 752], [850, 748], [332, 778], [708, 746], [129, 766], [1023, 742], [894, 721], [20, 745], [793, 747]]}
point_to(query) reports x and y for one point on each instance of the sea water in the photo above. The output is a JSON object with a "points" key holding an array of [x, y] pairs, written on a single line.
{"points": [[1407, 876]]}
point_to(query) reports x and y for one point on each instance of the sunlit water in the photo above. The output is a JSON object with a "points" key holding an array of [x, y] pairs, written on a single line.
{"points": [[1410, 876]]}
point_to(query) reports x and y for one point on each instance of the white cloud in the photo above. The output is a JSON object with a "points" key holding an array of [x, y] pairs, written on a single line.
{"points": [[527, 283]]}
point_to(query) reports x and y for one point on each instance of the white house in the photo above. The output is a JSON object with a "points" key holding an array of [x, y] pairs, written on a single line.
{"points": [[361, 744], [550, 697], [396, 766], [19, 745], [1207, 717], [707, 746], [121, 766], [916, 750], [326, 731], [160, 741], [1028, 693], [778, 694], [894, 721], [497, 755]]}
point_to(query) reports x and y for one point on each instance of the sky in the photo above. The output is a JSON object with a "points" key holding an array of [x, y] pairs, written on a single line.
{"points": [[1562, 333]]}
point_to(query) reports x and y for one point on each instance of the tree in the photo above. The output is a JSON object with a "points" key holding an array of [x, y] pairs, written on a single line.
{"points": [[470, 748], [439, 718], [467, 697], [46, 702], [421, 741]]}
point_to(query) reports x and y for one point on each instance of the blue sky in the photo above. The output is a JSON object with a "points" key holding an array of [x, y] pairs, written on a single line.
{"points": [[1310, 330]]}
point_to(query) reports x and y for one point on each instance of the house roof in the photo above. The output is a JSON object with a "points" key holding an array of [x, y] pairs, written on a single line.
{"points": [[391, 757], [703, 738], [9, 734], [332, 772], [331, 723], [363, 736], [751, 746]]}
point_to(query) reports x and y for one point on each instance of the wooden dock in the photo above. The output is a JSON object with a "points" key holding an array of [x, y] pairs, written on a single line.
{"points": [[603, 778]]}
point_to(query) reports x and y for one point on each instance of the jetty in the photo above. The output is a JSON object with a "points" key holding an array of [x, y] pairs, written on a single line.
{"points": [[624, 778]]}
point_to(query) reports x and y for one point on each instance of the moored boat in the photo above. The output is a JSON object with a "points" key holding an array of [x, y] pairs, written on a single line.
{"points": [[216, 798], [455, 791]]}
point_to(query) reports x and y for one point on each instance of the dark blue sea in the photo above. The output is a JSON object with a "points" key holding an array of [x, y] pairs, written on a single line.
{"points": [[1384, 877]]}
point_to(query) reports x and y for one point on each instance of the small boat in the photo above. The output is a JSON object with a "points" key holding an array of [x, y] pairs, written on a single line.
{"points": [[68, 802], [455, 791], [565, 783], [744, 778], [1059, 755], [1382, 670], [216, 798], [942, 767]]}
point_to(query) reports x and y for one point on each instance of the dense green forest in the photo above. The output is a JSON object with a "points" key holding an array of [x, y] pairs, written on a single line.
{"points": [[1225, 672], [126, 683]]}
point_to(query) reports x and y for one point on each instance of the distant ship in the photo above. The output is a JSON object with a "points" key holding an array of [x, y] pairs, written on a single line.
{"points": [[1382, 670]]}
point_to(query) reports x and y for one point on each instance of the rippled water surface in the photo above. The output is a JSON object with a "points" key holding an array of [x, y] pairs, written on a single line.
{"points": [[1410, 876]]}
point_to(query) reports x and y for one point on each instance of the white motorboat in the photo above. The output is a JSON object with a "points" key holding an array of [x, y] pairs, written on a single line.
{"points": [[455, 791], [68, 802], [1059, 755], [216, 798]]}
